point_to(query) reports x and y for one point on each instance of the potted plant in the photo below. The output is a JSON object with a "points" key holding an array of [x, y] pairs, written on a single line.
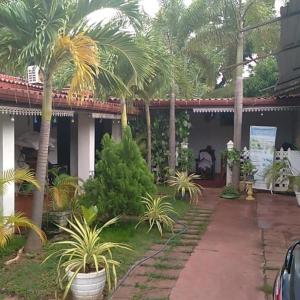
{"points": [[274, 171], [247, 171], [184, 183], [229, 192], [85, 261], [63, 192]]}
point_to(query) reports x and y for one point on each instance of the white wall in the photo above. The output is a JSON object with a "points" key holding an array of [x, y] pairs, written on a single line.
{"points": [[7, 162], [210, 132], [86, 146]]}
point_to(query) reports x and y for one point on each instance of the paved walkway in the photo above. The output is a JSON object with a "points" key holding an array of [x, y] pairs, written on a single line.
{"points": [[227, 263], [279, 219]]}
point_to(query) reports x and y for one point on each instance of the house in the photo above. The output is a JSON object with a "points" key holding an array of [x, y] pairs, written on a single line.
{"points": [[78, 126]]}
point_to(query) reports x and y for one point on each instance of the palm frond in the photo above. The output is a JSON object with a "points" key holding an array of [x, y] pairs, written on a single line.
{"points": [[8, 225], [17, 176]]}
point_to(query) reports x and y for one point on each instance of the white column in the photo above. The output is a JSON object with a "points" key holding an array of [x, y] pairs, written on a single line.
{"points": [[7, 162], [230, 147], [86, 146], [116, 130]]}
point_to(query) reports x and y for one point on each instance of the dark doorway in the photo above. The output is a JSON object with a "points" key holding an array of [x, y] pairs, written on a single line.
{"points": [[102, 126], [63, 143]]}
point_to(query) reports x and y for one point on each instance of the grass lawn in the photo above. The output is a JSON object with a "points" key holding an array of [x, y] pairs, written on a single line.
{"points": [[32, 280]]}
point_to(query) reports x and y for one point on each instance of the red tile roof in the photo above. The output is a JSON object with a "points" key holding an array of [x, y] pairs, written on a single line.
{"points": [[17, 91]]}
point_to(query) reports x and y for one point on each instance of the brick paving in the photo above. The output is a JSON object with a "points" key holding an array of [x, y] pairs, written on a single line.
{"points": [[156, 277], [278, 218]]}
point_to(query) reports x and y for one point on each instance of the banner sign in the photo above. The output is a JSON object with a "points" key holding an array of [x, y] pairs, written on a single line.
{"points": [[262, 147]]}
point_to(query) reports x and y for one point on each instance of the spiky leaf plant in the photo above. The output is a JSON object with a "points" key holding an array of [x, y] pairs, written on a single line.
{"points": [[184, 183], [10, 224], [85, 252], [157, 212]]}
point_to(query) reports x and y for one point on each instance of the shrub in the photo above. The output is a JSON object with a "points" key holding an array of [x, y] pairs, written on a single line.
{"points": [[121, 178]]}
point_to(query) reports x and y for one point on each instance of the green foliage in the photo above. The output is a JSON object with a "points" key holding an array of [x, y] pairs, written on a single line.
{"points": [[89, 214], [157, 212], [85, 252], [185, 156], [160, 145], [121, 178], [229, 192], [231, 157], [273, 172], [184, 183], [263, 76], [248, 170]]}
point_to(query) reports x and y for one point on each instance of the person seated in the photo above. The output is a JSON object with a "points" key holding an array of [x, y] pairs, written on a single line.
{"points": [[205, 164]]}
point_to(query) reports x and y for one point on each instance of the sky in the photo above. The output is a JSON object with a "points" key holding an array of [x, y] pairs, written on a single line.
{"points": [[151, 7]]}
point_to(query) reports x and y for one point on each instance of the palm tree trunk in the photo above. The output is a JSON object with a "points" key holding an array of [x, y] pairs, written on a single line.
{"points": [[149, 137], [172, 131], [123, 114], [238, 106], [33, 243]]}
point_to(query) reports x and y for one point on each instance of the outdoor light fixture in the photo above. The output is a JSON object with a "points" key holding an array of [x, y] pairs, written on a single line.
{"points": [[35, 120], [262, 114], [12, 118], [72, 120], [54, 120]]}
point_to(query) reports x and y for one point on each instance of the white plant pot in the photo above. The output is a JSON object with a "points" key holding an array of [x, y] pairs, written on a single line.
{"points": [[298, 197], [87, 286]]}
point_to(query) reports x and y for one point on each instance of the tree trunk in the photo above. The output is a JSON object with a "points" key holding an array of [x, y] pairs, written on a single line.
{"points": [[123, 114], [33, 243], [238, 106], [149, 137], [172, 132]]}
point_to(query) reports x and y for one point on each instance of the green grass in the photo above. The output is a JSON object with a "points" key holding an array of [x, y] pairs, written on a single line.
{"points": [[32, 280]]}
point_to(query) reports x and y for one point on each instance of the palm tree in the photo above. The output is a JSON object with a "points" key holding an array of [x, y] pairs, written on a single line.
{"points": [[168, 23], [50, 34], [222, 27], [156, 82], [8, 224]]}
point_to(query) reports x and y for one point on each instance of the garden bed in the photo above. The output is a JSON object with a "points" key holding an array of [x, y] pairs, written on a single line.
{"points": [[29, 279]]}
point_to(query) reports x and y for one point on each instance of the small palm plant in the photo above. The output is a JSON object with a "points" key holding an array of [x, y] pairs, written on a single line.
{"points": [[157, 213], [8, 224], [63, 191], [184, 183], [85, 252]]}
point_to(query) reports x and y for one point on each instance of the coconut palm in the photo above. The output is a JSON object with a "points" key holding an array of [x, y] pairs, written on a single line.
{"points": [[224, 26], [8, 224], [156, 82], [50, 34]]}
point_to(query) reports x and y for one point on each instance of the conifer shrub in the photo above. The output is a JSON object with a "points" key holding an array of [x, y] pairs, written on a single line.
{"points": [[121, 178]]}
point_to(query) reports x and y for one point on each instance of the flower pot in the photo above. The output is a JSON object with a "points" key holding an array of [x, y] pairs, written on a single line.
{"points": [[242, 186], [87, 286], [59, 217], [298, 197]]}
